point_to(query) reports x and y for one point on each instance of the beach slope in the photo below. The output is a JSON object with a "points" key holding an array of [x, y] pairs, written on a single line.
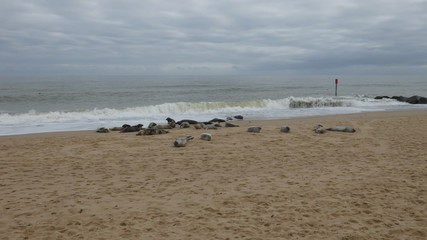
{"points": [[371, 184]]}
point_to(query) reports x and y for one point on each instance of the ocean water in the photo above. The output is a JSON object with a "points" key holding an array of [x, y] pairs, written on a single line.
{"points": [[67, 103]]}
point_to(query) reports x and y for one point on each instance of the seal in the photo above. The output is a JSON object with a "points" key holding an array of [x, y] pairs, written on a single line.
{"points": [[227, 124], [187, 120], [319, 129], [171, 122], [210, 126], [285, 129], [198, 125], [116, 128], [151, 131], [135, 128], [254, 129], [206, 136], [216, 120], [102, 130], [342, 129], [184, 125], [182, 141], [159, 126]]}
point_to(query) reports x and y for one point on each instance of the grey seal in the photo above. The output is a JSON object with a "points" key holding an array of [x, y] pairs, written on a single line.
{"points": [[206, 136], [135, 128], [285, 129], [210, 126], [187, 120], [227, 124], [151, 131], [182, 141], [171, 122], [319, 129], [159, 126], [342, 129], [254, 129], [102, 130], [185, 125], [198, 125]]}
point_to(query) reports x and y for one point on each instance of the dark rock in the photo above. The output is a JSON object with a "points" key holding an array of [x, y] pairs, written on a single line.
{"points": [[381, 97], [412, 100], [400, 98], [417, 100]]}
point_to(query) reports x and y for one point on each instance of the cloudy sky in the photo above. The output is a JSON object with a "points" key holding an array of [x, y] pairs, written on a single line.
{"points": [[300, 37]]}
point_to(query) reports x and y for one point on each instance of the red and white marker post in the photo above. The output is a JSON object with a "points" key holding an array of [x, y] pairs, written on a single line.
{"points": [[336, 86]]}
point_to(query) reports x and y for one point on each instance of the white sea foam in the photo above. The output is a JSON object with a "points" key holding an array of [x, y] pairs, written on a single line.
{"points": [[33, 122]]}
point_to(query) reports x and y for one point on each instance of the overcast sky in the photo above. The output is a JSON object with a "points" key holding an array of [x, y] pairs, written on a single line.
{"points": [[295, 37]]}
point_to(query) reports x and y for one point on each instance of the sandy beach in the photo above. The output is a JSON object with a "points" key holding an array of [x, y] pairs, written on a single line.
{"points": [[371, 184]]}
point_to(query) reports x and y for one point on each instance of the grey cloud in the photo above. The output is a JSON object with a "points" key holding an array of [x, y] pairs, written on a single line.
{"points": [[139, 37]]}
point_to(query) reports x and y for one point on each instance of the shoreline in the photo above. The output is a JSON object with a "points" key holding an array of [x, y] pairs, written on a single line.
{"points": [[379, 114], [269, 185]]}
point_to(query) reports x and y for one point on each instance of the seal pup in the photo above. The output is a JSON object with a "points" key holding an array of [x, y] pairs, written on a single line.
{"points": [[319, 129], [206, 136], [102, 130], [184, 125], [342, 129], [254, 129], [285, 129], [182, 141]]}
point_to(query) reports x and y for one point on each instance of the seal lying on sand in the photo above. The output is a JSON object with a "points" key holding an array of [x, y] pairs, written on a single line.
{"points": [[102, 130], [159, 126], [151, 131], [187, 120], [216, 120], [171, 122], [210, 126], [135, 128], [227, 124], [285, 129], [342, 129], [254, 129], [319, 129], [206, 136], [182, 141], [184, 125]]}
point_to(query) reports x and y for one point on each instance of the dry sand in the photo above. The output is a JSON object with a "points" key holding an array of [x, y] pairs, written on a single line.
{"points": [[371, 184]]}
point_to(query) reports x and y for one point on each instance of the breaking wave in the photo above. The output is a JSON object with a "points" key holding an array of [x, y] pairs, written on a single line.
{"points": [[195, 110]]}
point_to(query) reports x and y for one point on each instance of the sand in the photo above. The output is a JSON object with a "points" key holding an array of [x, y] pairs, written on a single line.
{"points": [[371, 184]]}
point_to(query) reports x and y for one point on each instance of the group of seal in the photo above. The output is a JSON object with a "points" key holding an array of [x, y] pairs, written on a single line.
{"points": [[154, 128]]}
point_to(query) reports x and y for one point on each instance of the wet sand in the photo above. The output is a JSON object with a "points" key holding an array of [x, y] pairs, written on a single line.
{"points": [[371, 184]]}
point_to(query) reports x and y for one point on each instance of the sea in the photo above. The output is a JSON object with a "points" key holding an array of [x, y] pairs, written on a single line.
{"points": [[36, 104]]}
